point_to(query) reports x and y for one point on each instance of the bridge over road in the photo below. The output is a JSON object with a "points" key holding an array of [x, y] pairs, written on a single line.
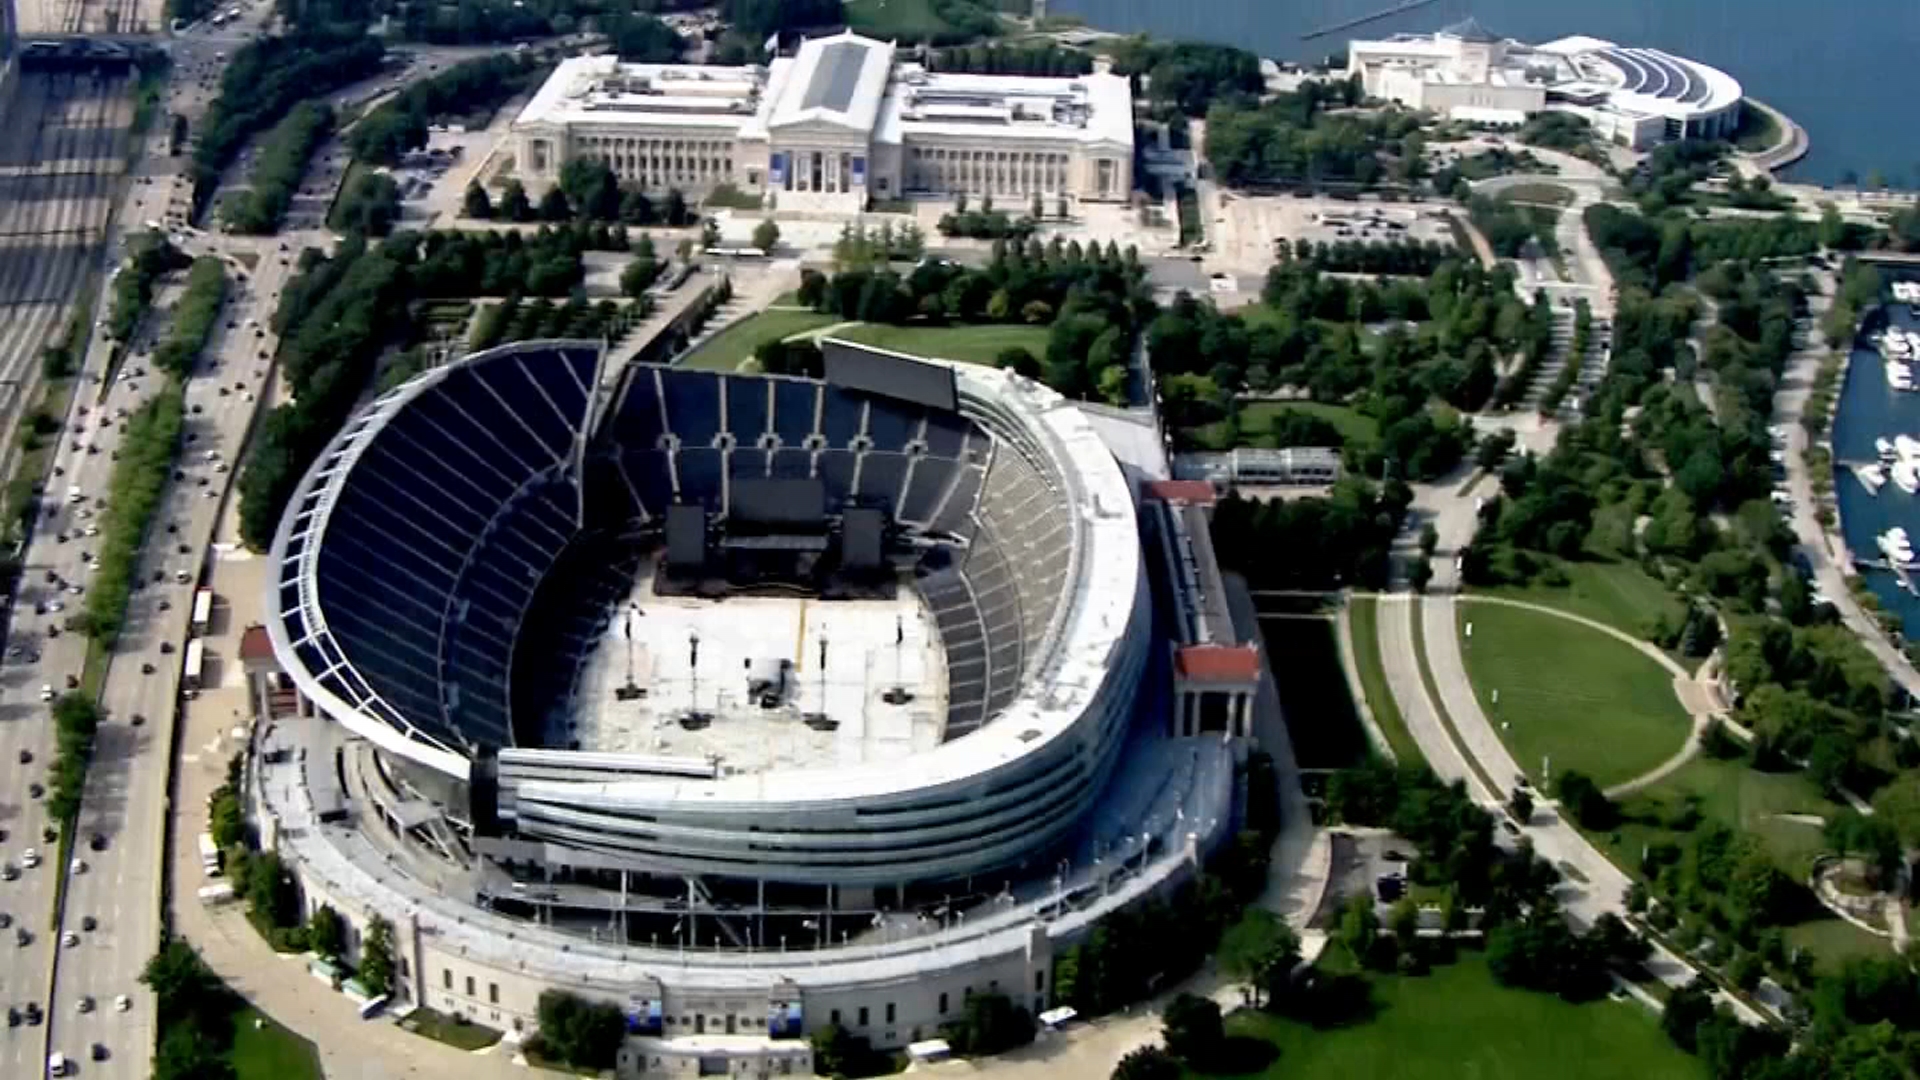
{"points": [[32, 19]]}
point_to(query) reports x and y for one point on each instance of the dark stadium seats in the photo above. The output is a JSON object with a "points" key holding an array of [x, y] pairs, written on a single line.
{"points": [[463, 528], [747, 409], [794, 406]]}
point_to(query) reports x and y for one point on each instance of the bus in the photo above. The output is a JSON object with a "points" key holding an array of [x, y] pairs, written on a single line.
{"points": [[190, 671], [202, 610]]}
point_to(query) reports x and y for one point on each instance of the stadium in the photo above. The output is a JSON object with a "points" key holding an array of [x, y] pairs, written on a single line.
{"points": [[637, 659]]}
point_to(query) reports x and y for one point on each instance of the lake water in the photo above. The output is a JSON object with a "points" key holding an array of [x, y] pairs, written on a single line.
{"points": [[1870, 410], [1848, 72]]}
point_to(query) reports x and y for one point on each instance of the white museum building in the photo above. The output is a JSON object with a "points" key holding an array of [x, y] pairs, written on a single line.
{"points": [[843, 120]]}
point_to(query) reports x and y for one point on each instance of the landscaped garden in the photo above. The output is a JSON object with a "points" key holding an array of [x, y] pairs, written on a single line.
{"points": [[1616, 592], [973, 344], [1568, 696], [263, 1050], [1457, 1022], [726, 350]]}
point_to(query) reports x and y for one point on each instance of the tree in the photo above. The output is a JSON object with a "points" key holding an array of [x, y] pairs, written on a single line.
{"points": [[376, 956], [371, 205], [1429, 539], [1584, 799], [477, 203], [1898, 804], [676, 212], [224, 819], [1420, 574], [1687, 1008], [591, 188], [554, 205], [639, 274], [1018, 360], [766, 235], [709, 234], [513, 202], [1259, 952], [1144, 1063], [1359, 926], [326, 932], [1521, 804], [991, 1024], [270, 890], [580, 1032], [839, 1052], [1193, 1030]]}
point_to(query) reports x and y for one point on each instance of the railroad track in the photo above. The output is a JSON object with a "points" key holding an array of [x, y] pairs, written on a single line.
{"points": [[53, 227]]}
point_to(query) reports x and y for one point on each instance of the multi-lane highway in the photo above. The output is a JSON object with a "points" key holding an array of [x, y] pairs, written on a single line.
{"points": [[59, 156], [98, 1013], [117, 884]]}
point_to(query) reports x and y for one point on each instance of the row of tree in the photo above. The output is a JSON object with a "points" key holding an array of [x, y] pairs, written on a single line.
{"points": [[1045, 59], [277, 169], [1092, 299], [265, 80], [194, 317], [1413, 258], [587, 191], [333, 319], [467, 89], [148, 448], [149, 257]]}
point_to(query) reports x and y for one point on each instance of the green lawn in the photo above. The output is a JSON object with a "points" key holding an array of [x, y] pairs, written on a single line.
{"points": [[269, 1051], [1734, 795], [1557, 194], [1758, 131], [1591, 702], [1321, 721], [1458, 1024], [725, 350], [1617, 593], [1365, 617], [452, 1030], [1835, 941], [978, 344]]}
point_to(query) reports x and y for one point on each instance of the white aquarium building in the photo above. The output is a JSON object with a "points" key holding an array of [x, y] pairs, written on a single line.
{"points": [[843, 120], [1632, 96]]}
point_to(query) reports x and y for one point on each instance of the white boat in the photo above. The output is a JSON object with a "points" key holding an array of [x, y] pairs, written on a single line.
{"points": [[1906, 447], [1871, 477], [1899, 375], [1906, 477], [1895, 546], [1884, 447]]}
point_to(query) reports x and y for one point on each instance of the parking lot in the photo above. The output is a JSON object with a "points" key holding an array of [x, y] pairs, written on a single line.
{"points": [[1244, 238]]}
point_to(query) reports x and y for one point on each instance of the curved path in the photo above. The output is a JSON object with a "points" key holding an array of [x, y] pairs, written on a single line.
{"points": [[1693, 702], [1593, 884]]}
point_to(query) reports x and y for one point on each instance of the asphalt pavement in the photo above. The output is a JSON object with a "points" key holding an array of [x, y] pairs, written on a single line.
{"points": [[113, 884]]}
